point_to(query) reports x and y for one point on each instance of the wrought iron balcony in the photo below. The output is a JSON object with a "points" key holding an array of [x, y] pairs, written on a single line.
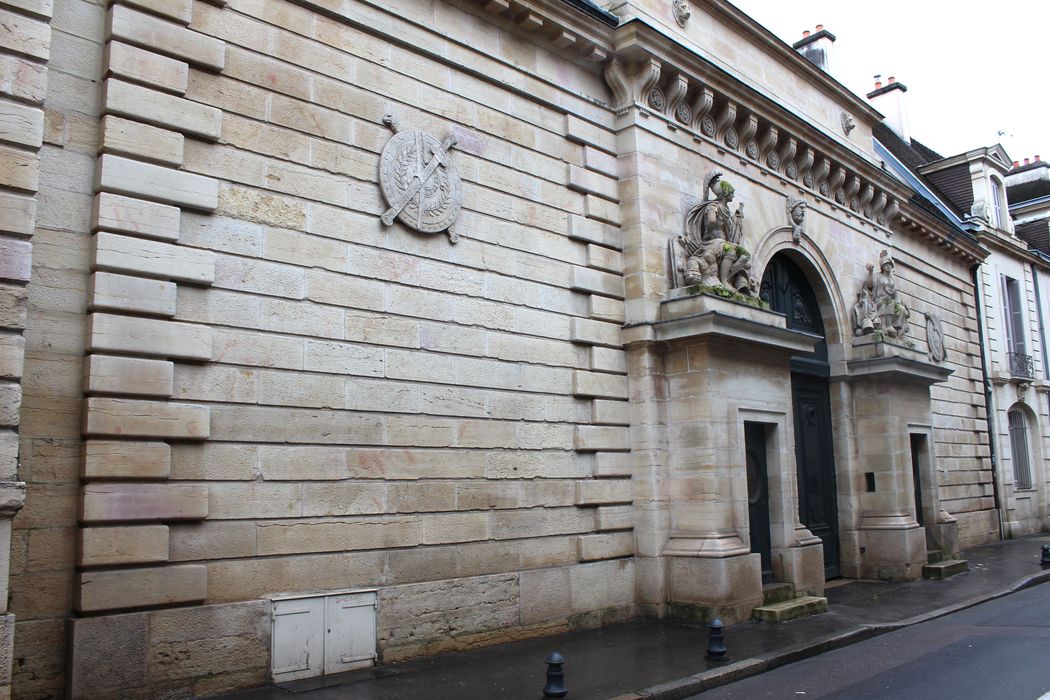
{"points": [[1020, 365]]}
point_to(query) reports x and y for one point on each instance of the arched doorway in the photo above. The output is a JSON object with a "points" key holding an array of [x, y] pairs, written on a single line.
{"points": [[787, 291]]}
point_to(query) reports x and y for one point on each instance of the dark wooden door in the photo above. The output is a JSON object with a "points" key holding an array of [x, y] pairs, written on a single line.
{"points": [[786, 289], [758, 496], [817, 502], [917, 445]]}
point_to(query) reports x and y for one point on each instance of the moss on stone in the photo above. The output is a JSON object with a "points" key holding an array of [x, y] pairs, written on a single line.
{"points": [[726, 293]]}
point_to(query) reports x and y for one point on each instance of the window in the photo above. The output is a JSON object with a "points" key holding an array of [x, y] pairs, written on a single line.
{"points": [[1014, 315], [998, 216], [1019, 449]]}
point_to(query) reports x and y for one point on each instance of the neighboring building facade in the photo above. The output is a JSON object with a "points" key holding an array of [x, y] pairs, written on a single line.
{"points": [[406, 307]]}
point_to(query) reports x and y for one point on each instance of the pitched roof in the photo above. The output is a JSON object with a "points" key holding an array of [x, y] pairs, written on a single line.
{"points": [[1035, 233], [912, 154], [1025, 191]]}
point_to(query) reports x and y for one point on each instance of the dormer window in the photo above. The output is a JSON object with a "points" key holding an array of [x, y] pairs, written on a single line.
{"points": [[998, 211]]}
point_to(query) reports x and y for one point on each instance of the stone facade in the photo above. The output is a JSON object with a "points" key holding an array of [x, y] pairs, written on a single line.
{"points": [[240, 381]]}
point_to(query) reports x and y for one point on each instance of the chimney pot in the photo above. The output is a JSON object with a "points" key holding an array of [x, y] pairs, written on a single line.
{"points": [[1037, 159], [820, 27], [1026, 161], [805, 33], [878, 84], [892, 80]]}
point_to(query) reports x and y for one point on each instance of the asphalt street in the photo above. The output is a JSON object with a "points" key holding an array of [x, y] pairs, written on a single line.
{"points": [[998, 649]]}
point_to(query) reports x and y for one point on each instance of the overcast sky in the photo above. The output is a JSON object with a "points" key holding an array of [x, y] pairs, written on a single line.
{"points": [[972, 69]]}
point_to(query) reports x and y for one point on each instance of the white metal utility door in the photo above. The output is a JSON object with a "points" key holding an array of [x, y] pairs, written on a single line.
{"points": [[298, 638], [350, 631]]}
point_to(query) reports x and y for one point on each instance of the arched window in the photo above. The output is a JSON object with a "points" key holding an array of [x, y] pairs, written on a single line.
{"points": [[1019, 448]]}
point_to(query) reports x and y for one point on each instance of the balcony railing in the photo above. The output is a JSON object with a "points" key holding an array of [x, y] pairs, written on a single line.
{"points": [[1021, 365]]}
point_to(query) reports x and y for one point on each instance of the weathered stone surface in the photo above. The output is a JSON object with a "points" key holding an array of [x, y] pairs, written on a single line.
{"points": [[109, 654], [125, 254], [587, 331], [112, 292], [146, 336], [132, 501], [595, 492], [163, 110], [598, 438], [21, 125], [17, 213], [211, 640], [599, 384], [168, 38], [137, 179], [12, 355], [113, 212], [19, 169], [126, 459], [25, 35], [592, 231], [109, 374], [154, 419], [97, 591], [15, 260], [605, 546], [143, 66], [111, 546], [129, 138], [585, 279]]}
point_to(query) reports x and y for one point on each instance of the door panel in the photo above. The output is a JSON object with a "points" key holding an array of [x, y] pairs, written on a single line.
{"points": [[817, 502], [758, 495]]}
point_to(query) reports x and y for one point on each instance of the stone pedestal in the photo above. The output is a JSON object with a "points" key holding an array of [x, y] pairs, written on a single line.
{"points": [[893, 547], [703, 588]]}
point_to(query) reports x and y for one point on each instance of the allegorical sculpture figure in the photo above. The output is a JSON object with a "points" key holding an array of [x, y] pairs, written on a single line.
{"points": [[713, 254], [879, 306]]}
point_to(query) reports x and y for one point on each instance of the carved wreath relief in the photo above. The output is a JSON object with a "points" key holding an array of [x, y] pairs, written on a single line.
{"points": [[419, 181], [935, 338]]}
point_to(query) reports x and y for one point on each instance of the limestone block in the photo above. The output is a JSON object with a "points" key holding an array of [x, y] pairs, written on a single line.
{"points": [[584, 132], [116, 253], [179, 10], [605, 546], [17, 213], [599, 385], [608, 360], [108, 655], [41, 8], [162, 109], [590, 332], [125, 459], [21, 124], [141, 66], [587, 280], [614, 517], [19, 169], [600, 492], [12, 355], [135, 588], [16, 259], [111, 546], [23, 35], [113, 212], [605, 309], [590, 182], [10, 403], [130, 177], [123, 502], [26, 80], [108, 374], [611, 412], [600, 161], [545, 594], [125, 137], [154, 419], [595, 438], [8, 453], [584, 229], [600, 585], [601, 209], [165, 37], [604, 258], [112, 292]]}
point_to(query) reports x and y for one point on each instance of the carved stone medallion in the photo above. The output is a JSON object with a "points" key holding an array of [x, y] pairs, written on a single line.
{"points": [[419, 181], [848, 124], [657, 100], [935, 338], [681, 12], [707, 125], [683, 113]]}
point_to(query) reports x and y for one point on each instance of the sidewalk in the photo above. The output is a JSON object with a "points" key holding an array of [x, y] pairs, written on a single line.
{"points": [[649, 659]]}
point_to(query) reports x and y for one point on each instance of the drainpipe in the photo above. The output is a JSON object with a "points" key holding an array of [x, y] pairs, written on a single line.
{"points": [[989, 400]]}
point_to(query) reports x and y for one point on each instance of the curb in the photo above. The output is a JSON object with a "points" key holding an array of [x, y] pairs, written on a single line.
{"points": [[715, 677]]}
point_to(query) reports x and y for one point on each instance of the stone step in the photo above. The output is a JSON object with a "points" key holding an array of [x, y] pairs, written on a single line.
{"points": [[944, 569], [777, 592], [791, 609], [934, 556]]}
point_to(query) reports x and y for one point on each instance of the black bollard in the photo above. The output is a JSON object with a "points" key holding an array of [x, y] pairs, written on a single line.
{"points": [[555, 687], [716, 642], [1045, 561]]}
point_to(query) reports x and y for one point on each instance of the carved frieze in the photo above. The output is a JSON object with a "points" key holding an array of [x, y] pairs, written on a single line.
{"points": [[419, 181]]}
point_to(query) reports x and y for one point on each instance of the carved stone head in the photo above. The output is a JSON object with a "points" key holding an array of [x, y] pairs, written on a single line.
{"points": [[681, 12], [848, 124]]}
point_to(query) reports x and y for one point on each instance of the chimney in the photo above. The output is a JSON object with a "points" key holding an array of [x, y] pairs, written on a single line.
{"points": [[889, 99], [818, 48]]}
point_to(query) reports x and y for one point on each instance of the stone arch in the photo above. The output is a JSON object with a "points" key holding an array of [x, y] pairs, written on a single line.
{"points": [[1033, 453], [822, 280]]}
